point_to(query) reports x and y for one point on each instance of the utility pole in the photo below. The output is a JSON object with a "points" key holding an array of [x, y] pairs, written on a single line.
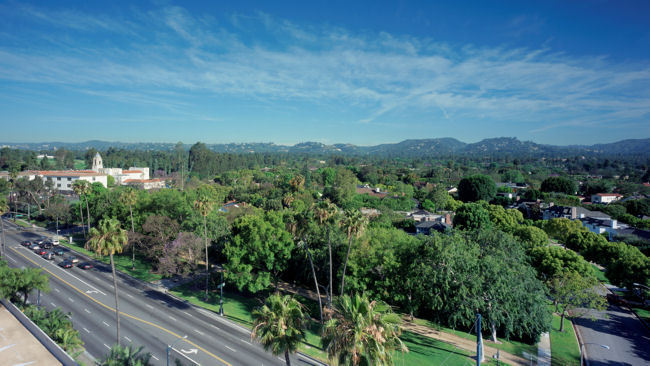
{"points": [[479, 341]]}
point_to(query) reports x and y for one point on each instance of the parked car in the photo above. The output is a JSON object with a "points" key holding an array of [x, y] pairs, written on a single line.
{"points": [[40, 251], [34, 246], [58, 251], [26, 243], [65, 264], [73, 259], [85, 265], [47, 244], [55, 241], [48, 255]]}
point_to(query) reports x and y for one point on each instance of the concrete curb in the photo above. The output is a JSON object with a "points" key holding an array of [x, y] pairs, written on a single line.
{"points": [[643, 322]]}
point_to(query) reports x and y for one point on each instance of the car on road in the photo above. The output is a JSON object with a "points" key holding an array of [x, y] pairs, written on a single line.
{"points": [[85, 265], [26, 243], [40, 240], [40, 251], [47, 244], [59, 251], [55, 241], [34, 246], [73, 259], [66, 264], [48, 255]]}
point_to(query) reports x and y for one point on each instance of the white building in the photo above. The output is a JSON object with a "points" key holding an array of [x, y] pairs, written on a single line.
{"points": [[605, 197], [134, 176], [63, 179]]}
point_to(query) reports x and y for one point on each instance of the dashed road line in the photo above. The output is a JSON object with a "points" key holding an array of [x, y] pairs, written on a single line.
{"points": [[149, 306], [214, 326], [129, 295], [69, 298], [106, 324], [128, 339], [57, 290], [186, 313], [53, 304], [86, 310], [246, 342], [107, 346], [13, 260], [87, 331], [232, 349], [198, 331], [171, 317], [155, 358]]}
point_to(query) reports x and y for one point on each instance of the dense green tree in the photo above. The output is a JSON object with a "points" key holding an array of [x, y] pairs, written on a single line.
{"points": [[259, 251], [354, 223], [472, 216], [279, 325], [561, 228], [573, 295], [127, 356], [362, 332], [513, 176], [551, 261], [558, 185], [531, 236], [476, 188]]}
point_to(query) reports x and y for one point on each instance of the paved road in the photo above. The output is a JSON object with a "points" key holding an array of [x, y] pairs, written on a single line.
{"points": [[618, 328], [149, 318]]}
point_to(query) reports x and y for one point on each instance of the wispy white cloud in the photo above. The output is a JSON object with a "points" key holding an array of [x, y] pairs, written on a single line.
{"points": [[376, 75]]}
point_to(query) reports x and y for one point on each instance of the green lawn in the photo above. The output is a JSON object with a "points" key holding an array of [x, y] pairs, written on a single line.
{"points": [[600, 274], [510, 346], [564, 345], [428, 351], [23, 223], [643, 313], [123, 262], [79, 164]]}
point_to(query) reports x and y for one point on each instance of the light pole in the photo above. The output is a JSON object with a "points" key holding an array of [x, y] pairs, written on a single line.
{"points": [[221, 289], [582, 348], [169, 347]]}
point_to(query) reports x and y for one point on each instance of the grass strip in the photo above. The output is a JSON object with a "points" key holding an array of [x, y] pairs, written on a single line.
{"points": [[564, 345]]}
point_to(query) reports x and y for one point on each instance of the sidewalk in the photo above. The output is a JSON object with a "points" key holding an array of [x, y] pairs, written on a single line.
{"points": [[544, 350]]}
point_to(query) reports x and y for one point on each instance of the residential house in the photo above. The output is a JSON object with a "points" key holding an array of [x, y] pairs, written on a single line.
{"points": [[605, 197], [426, 227]]}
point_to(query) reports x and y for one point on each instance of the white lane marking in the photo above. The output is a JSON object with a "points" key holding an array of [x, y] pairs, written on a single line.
{"points": [[201, 333], [57, 290], [149, 306], [155, 358], [78, 279], [246, 342], [128, 339], [129, 295], [86, 310], [214, 326], [87, 331], [13, 260], [280, 358], [106, 324], [53, 304], [69, 298], [186, 313], [171, 317], [106, 346], [232, 349]]}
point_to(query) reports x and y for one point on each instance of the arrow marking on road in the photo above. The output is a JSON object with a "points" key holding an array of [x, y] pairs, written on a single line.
{"points": [[92, 292], [193, 350]]}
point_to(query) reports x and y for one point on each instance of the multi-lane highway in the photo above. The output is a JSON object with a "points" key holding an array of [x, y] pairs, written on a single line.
{"points": [[148, 317]]}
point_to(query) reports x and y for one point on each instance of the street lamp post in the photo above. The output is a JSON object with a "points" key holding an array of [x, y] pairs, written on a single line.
{"points": [[582, 348], [169, 347], [221, 284]]}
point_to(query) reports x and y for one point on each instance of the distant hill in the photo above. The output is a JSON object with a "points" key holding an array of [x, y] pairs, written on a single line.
{"points": [[434, 147]]}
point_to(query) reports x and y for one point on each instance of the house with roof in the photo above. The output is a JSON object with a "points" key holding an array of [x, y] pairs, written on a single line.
{"points": [[375, 192], [427, 227], [605, 198]]}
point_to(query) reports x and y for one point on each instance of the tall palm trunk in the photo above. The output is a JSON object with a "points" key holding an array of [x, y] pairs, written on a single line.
{"points": [[132, 245], [313, 272], [81, 214], [2, 248], [286, 357], [88, 213], [117, 303], [329, 247], [207, 272], [345, 265]]}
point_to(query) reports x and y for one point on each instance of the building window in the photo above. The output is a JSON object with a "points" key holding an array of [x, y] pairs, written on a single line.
{"points": [[93, 179], [69, 178], [58, 178], [58, 185]]}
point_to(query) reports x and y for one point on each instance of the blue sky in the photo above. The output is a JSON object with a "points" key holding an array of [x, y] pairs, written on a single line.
{"points": [[558, 72]]}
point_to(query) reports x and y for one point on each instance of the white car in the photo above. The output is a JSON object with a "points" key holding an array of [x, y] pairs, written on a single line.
{"points": [[55, 241]]}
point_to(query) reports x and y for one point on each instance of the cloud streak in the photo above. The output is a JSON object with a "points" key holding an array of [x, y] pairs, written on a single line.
{"points": [[379, 76]]}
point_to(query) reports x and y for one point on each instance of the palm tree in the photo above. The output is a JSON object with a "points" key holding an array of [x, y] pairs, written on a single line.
{"points": [[130, 198], [279, 325], [107, 239], [363, 332], [325, 212], [354, 222], [127, 356], [4, 208], [77, 187], [204, 205], [32, 279]]}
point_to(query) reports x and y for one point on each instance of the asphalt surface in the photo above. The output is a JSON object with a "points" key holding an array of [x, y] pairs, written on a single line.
{"points": [[628, 340], [148, 317]]}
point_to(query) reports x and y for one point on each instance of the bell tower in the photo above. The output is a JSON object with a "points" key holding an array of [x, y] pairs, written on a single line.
{"points": [[97, 163]]}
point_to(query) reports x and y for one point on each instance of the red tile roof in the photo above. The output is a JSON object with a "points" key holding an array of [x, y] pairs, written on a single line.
{"points": [[609, 195], [67, 173], [143, 180], [131, 171]]}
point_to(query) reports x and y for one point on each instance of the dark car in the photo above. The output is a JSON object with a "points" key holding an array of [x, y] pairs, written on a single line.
{"points": [[47, 244], [40, 241], [65, 264], [58, 251], [26, 243], [40, 251], [48, 255], [34, 246], [85, 265], [73, 259]]}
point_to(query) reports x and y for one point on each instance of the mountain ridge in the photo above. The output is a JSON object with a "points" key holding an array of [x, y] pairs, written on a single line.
{"points": [[444, 146]]}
